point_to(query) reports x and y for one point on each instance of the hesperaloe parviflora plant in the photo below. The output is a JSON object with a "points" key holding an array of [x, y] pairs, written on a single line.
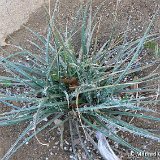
{"points": [[87, 88]]}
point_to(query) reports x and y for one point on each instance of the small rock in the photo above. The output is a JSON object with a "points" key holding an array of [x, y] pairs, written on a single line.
{"points": [[71, 156], [65, 148], [56, 143]]}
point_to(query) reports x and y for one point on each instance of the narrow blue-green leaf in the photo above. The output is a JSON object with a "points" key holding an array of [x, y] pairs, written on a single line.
{"points": [[138, 51], [16, 146], [128, 127], [10, 105], [142, 116], [112, 136]]}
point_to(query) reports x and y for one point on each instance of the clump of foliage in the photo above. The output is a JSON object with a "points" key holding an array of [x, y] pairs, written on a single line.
{"points": [[88, 88]]}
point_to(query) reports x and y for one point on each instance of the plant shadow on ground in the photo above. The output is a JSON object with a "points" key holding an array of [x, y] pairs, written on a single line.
{"points": [[34, 150]]}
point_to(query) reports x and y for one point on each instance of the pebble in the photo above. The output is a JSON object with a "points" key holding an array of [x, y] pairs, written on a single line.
{"points": [[116, 145], [56, 143], [51, 153], [53, 138], [71, 156], [65, 148]]}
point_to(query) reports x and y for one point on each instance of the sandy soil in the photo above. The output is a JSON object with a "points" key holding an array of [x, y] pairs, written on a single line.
{"points": [[140, 12], [14, 13]]}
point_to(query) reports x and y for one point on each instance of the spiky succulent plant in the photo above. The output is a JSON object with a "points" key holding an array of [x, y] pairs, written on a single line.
{"points": [[92, 87]]}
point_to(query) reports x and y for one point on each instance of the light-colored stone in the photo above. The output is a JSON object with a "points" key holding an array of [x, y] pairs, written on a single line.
{"points": [[14, 13]]}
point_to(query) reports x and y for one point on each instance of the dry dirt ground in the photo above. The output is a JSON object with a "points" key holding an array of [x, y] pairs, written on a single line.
{"points": [[14, 13], [139, 11]]}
